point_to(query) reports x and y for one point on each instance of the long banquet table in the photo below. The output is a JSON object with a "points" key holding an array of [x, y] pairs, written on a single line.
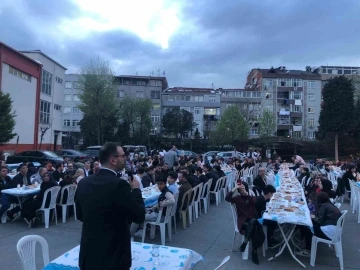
{"points": [[170, 258], [288, 206]]}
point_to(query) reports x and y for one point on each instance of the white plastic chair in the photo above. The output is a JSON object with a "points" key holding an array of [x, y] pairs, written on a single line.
{"points": [[196, 204], [173, 213], [224, 186], [222, 265], [191, 204], [347, 192], [217, 191], [336, 241], [338, 205], [205, 196], [71, 189], [54, 191], [184, 207], [26, 250], [245, 254], [161, 222]]}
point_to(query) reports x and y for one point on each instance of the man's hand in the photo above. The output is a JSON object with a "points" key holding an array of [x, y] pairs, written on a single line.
{"points": [[134, 184]]}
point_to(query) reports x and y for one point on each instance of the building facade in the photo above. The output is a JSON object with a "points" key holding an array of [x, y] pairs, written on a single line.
{"points": [[203, 103], [294, 97], [20, 76], [51, 100], [144, 87], [248, 102]]}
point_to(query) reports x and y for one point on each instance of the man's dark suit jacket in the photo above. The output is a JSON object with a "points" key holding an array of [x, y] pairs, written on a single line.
{"points": [[105, 204]]}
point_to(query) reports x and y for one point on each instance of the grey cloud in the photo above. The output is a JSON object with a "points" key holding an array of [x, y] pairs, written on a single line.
{"points": [[229, 39]]}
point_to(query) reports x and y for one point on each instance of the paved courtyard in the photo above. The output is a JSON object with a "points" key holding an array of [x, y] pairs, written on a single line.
{"points": [[210, 236]]}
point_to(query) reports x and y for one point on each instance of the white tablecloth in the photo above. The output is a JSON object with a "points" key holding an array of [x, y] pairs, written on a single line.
{"points": [[300, 217], [151, 196], [21, 192], [170, 258]]}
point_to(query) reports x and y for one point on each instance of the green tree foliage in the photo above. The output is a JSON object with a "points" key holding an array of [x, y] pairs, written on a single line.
{"points": [[231, 127], [337, 109], [98, 97], [266, 124], [7, 118], [135, 112], [176, 121]]}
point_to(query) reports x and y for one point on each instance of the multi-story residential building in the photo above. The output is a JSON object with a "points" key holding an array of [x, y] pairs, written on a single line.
{"points": [[72, 115], [144, 87], [294, 96], [51, 100], [248, 102], [20, 76], [203, 103]]}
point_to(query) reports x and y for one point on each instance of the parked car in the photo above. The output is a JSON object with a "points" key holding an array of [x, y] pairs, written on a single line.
{"points": [[226, 155], [34, 156], [209, 155], [76, 156], [187, 153], [13, 167], [93, 151]]}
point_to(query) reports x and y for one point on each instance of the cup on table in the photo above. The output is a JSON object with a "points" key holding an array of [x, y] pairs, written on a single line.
{"points": [[155, 254]]}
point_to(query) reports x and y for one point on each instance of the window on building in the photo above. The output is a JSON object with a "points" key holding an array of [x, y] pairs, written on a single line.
{"points": [[285, 82], [212, 98], [269, 96], [76, 85], [68, 85], [156, 106], [255, 94], [228, 105], [155, 94], [296, 94], [139, 94], [57, 107], [269, 82], [270, 108], [347, 71], [256, 106], [283, 120], [75, 123], [155, 118], [296, 82], [44, 112], [198, 110], [46, 82], [66, 123], [19, 74], [296, 134], [67, 97], [311, 134], [76, 110], [59, 80], [198, 98], [208, 111], [311, 84], [311, 110], [254, 131], [165, 97], [311, 122], [120, 93], [171, 98], [76, 97], [297, 108], [311, 96], [67, 110]]}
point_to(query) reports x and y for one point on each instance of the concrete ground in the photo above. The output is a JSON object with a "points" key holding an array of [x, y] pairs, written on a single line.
{"points": [[211, 236]]}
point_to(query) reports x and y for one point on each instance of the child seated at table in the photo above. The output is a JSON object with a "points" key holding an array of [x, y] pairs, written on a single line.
{"points": [[166, 198]]}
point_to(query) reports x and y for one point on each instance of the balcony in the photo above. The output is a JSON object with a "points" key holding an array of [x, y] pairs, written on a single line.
{"points": [[296, 114]]}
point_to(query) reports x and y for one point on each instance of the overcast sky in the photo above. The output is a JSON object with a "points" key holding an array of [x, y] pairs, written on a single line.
{"points": [[196, 42]]}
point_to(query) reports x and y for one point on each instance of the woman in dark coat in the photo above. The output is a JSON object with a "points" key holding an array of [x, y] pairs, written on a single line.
{"points": [[30, 206]]}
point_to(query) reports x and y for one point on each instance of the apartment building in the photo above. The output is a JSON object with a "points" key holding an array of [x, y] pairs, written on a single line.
{"points": [[51, 100], [249, 103], [144, 87], [203, 103], [20, 76], [294, 96]]}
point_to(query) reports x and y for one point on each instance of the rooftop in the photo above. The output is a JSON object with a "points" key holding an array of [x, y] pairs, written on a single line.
{"points": [[19, 53], [163, 79], [190, 89], [283, 72], [45, 55]]}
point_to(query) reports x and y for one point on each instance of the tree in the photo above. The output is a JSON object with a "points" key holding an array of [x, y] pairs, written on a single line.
{"points": [[266, 124], [7, 118], [98, 97], [231, 127], [337, 109], [176, 121]]}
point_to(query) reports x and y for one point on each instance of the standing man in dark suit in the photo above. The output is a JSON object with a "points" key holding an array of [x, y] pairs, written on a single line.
{"points": [[106, 205]]}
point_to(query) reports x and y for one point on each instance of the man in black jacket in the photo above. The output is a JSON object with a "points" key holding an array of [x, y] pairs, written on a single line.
{"points": [[106, 204], [5, 183]]}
